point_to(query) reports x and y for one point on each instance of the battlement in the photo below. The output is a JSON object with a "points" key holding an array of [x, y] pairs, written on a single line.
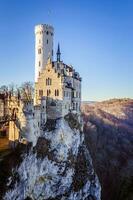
{"points": [[43, 28]]}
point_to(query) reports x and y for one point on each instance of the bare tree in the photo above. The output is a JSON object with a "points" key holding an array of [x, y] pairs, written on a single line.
{"points": [[26, 91]]}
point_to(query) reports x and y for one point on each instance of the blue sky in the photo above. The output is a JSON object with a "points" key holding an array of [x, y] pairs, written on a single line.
{"points": [[96, 37]]}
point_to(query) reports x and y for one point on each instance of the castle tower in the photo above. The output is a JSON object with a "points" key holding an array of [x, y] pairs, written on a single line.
{"points": [[43, 47]]}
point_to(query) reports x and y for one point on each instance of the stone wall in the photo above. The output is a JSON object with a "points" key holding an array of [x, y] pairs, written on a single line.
{"points": [[54, 109]]}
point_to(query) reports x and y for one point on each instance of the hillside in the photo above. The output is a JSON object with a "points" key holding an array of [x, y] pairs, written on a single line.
{"points": [[108, 128]]}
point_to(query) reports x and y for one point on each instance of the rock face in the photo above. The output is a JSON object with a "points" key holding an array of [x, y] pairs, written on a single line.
{"points": [[108, 128], [59, 167]]}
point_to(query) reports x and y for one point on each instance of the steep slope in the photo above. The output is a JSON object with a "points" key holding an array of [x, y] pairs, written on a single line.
{"points": [[108, 128], [58, 167]]}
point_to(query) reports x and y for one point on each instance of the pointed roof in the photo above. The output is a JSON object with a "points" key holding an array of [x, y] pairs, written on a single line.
{"points": [[58, 49]]}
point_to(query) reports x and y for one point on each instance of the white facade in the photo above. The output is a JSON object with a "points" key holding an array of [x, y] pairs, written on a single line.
{"points": [[43, 47]]}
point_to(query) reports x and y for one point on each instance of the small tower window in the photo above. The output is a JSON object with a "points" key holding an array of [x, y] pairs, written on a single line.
{"points": [[39, 51], [47, 32], [47, 41]]}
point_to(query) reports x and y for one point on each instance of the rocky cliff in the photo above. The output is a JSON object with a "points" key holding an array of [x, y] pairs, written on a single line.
{"points": [[58, 167], [108, 128]]}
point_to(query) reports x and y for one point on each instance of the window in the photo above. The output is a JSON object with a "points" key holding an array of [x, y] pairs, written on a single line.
{"points": [[52, 53], [47, 32], [48, 81], [57, 92], [47, 41], [40, 93], [39, 63], [48, 92], [74, 106], [39, 51]]}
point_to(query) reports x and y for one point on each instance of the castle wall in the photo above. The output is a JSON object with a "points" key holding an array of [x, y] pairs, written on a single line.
{"points": [[54, 109]]}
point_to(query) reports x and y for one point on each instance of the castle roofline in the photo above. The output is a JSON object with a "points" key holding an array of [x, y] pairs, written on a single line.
{"points": [[71, 69], [43, 26]]}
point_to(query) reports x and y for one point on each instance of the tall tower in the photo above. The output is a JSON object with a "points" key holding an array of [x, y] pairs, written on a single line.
{"points": [[43, 47]]}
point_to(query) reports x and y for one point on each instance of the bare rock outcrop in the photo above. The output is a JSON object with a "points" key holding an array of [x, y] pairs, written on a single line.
{"points": [[59, 167]]}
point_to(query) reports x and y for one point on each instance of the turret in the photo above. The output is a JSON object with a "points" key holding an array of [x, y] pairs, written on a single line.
{"points": [[58, 53]]}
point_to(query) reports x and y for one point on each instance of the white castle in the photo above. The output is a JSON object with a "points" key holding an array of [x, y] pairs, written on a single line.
{"points": [[57, 90], [54, 79]]}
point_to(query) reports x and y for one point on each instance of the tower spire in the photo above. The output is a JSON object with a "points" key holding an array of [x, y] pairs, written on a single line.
{"points": [[58, 53]]}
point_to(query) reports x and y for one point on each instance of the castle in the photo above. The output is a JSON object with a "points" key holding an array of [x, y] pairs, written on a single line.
{"points": [[57, 90], [54, 79]]}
